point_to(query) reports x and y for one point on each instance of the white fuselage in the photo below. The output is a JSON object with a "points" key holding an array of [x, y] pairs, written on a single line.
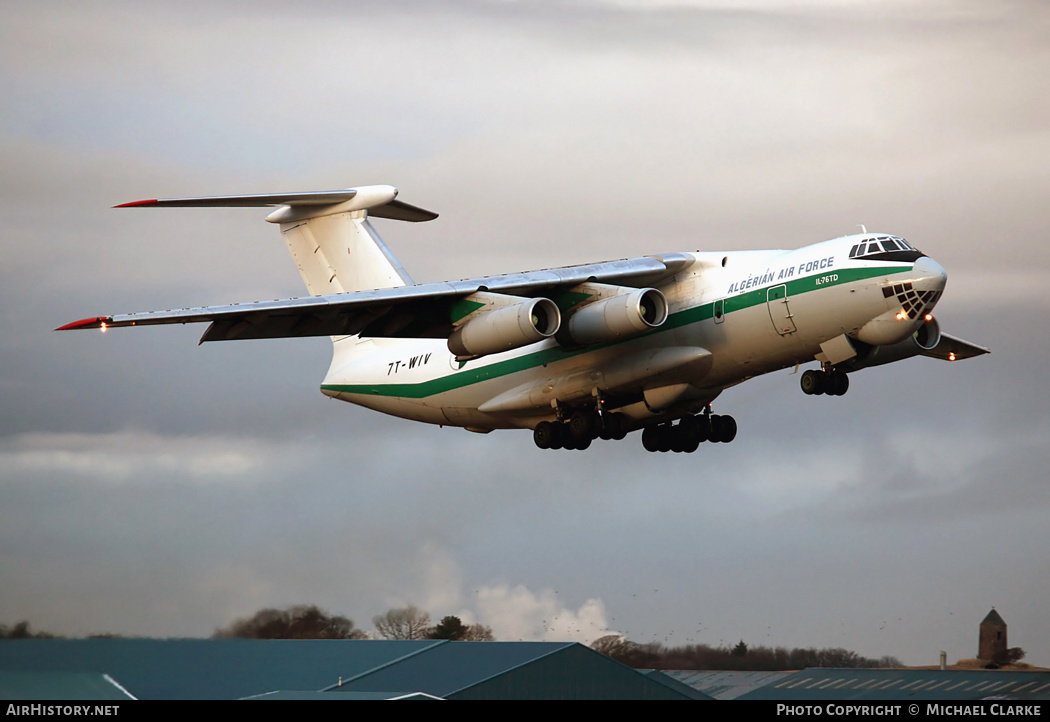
{"points": [[731, 316]]}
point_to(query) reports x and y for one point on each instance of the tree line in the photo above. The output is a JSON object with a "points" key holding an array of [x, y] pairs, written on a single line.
{"points": [[312, 622], [740, 657]]}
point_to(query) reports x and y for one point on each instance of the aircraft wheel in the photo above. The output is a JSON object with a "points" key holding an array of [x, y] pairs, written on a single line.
{"points": [[543, 434], [688, 435], [617, 424], [582, 426], [568, 441], [649, 438], [583, 444], [703, 428], [664, 438], [716, 429], [812, 382], [557, 436], [837, 383], [728, 429], [678, 438]]}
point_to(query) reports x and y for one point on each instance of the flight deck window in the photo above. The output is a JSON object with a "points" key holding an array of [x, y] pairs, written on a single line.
{"points": [[890, 245]]}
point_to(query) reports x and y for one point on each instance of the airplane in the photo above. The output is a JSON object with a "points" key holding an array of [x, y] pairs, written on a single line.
{"points": [[582, 352]]}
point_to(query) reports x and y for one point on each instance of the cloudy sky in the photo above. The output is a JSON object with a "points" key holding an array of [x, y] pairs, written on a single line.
{"points": [[150, 486]]}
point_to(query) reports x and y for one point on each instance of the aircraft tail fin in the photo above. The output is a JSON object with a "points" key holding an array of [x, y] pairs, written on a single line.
{"points": [[328, 234]]}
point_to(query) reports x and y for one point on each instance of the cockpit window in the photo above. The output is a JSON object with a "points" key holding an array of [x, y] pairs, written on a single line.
{"points": [[881, 244]]}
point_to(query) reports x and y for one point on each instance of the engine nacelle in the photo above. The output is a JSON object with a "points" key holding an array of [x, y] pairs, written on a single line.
{"points": [[926, 338], [506, 328], [621, 316]]}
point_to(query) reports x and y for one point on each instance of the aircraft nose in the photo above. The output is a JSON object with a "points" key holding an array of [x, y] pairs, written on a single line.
{"points": [[929, 276]]}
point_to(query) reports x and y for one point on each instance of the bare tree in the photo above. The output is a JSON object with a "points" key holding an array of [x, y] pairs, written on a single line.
{"points": [[479, 633], [612, 645], [404, 623], [1013, 655]]}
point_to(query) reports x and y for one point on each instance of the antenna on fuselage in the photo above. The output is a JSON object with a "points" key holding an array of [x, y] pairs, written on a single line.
{"points": [[862, 228]]}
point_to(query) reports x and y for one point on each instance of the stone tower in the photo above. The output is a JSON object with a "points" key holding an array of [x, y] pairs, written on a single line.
{"points": [[992, 638]]}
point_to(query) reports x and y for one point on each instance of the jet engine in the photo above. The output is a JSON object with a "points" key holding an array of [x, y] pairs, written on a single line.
{"points": [[924, 339], [505, 328], [621, 316]]}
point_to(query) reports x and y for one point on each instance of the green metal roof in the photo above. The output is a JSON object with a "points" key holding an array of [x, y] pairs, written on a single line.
{"points": [[906, 684], [205, 668], [348, 697], [514, 670], [59, 685], [239, 668]]}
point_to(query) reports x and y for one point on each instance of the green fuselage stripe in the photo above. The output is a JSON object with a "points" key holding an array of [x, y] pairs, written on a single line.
{"points": [[685, 317]]}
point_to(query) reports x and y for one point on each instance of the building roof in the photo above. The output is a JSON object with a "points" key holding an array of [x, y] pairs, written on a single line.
{"points": [[238, 668], [911, 684], [514, 670], [60, 685], [722, 684], [205, 668], [993, 618]]}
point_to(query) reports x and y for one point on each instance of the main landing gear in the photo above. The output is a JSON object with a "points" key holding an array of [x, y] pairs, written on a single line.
{"points": [[579, 430], [584, 426], [832, 383], [688, 433]]}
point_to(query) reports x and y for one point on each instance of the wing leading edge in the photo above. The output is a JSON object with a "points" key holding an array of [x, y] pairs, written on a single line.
{"points": [[421, 310]]}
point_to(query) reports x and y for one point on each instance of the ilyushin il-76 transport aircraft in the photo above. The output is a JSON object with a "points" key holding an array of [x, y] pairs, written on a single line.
{"points": [[581, 352]]}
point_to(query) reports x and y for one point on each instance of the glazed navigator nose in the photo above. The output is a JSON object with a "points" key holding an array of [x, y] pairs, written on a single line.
{"points": [[928, 275]]}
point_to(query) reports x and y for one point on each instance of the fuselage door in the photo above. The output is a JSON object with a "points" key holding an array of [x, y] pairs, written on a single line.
{"points": [[779, 312]]}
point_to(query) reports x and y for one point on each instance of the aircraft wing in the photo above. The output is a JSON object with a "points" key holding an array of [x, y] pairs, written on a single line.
{"points": [[950, 348], [423, 310]]}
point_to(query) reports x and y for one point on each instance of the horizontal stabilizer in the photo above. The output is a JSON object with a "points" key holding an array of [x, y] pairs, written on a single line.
{"points": [[950, 348], [385, 207]]}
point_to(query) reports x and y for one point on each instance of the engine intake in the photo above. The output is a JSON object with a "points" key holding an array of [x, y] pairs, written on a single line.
{"points": [[505, 328], [621, 316]]}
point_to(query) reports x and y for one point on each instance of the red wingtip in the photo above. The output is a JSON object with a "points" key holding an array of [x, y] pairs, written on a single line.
{"points": [[94, 322], [151, 202]]}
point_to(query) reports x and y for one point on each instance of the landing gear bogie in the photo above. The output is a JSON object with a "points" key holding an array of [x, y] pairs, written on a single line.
{"points": [[684, 437], [579, 430], [687, 435]]}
